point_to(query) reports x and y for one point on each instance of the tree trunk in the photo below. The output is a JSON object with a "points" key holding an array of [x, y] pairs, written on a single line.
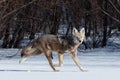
{"points": [[104, 40]]}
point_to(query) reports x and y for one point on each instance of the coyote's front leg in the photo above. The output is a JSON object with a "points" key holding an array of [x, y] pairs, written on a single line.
{"points": [[60, 56], [76, 60]]}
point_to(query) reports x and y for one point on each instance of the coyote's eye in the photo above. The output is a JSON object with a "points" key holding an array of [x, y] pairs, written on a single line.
{"points": [[78, 40]]}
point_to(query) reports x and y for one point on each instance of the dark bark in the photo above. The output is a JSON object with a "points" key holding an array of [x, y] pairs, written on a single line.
{"points": [[105, 25]]}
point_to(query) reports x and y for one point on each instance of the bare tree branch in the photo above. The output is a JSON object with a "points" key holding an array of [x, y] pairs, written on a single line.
{"points": [[117, 20], [17, 10], [114, 6]]}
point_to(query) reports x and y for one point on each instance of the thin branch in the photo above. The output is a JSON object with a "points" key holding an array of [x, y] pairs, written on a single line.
{"points": [[117, 20], [114, 6], [17, 10], [3, 11]]}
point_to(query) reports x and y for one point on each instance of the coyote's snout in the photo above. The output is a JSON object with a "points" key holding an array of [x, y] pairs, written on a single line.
{"points": [[48, 43]]}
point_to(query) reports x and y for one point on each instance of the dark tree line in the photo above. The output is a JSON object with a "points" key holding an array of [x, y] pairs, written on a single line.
{"points": [[22, 18]]}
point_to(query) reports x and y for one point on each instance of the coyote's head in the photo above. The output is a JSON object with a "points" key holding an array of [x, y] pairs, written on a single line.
{"points": [[80, 35]]}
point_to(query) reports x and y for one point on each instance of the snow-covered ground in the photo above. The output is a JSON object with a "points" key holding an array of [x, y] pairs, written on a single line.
{"points": [[102, 64]]}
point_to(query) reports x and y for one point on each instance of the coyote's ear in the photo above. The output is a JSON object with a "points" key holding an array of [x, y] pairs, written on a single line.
{"points": [[74, 31], [82, 31]]}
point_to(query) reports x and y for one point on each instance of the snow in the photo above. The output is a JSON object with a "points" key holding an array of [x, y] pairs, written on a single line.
{"points": [[102, 64]]}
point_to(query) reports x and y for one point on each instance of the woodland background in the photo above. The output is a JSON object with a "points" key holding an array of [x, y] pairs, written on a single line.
{"points": [[28, 19]]}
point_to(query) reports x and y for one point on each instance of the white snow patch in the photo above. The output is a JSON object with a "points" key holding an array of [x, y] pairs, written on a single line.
{"points": [[102, 64]]}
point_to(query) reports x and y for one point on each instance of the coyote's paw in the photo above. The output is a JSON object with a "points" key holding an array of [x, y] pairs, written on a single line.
{"points": [[56, 70], [84, 70], [58, 65]]}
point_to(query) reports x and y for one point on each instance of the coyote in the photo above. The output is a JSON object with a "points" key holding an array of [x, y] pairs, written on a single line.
{"points": [[61, 44]]}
